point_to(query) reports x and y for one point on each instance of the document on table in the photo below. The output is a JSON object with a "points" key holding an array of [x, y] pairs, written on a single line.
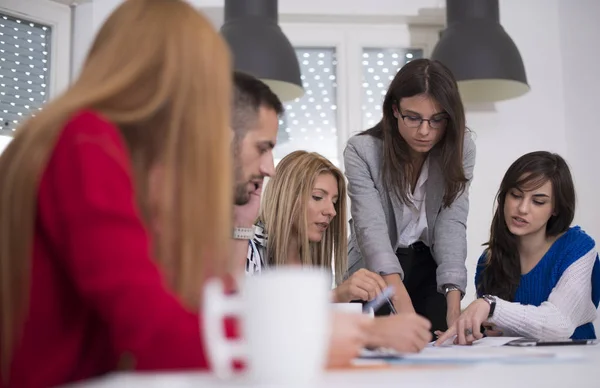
{"points": [[488, 349], [485, 342]]}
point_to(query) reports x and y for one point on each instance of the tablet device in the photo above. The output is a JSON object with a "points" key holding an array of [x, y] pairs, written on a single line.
{"points": [[536, 342]]}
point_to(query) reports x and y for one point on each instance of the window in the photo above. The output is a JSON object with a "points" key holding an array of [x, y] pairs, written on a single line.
{"points": [[346, 70], [336, 52], [379, 66], [310, 122], [24, 69], [35, 38]]}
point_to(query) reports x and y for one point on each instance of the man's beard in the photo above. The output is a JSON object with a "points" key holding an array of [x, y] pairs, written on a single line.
{"points": [[241, 194]]}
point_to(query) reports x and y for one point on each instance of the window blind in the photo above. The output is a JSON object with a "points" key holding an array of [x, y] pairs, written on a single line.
{"points": [[24, 70], [310, 122]]}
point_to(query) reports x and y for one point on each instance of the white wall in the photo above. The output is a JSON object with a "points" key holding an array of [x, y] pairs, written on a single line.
{"points": [[89, 20], [579, 33], [533, 122], [557, 39], [102, 8], [83, 35]]}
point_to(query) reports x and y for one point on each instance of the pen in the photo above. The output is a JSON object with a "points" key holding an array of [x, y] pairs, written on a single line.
{"points": [[392, 309], [382, 298]]}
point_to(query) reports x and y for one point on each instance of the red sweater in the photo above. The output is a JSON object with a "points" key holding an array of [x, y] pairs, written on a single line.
{"points": [[96, 294]]}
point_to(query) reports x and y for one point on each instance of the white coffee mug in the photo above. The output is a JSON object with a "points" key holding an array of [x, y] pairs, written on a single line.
{"points": [[285, 323], [353, 308]]}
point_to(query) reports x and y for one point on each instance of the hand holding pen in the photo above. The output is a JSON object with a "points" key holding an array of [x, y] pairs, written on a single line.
{"points": [[384, 297], [362, 285]]}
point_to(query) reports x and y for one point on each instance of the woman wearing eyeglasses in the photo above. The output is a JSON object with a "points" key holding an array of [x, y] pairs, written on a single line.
{"points": [[408, 181]]}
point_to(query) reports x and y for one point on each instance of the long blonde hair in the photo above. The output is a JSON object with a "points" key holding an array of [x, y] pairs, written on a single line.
{"points": [[284, 205], [160, 72]]}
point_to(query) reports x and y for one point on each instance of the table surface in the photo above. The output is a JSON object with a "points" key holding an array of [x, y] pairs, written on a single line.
{"points": [[578, 367]]}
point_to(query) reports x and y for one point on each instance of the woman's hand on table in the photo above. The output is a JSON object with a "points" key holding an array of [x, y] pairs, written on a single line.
{"points": [[362, 285], [467, 328], [491, 330], [349, 335], [404, 332]]}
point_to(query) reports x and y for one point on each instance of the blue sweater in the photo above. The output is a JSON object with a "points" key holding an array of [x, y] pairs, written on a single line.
{"points": [[536, 285]]}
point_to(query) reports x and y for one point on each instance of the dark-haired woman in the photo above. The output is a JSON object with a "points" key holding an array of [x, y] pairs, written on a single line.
{"points": [[408, 181], [539, 277]]}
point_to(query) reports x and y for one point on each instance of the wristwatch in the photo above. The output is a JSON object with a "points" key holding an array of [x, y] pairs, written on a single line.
{"points": [[243, 233], [450, 287], [491, 299]]}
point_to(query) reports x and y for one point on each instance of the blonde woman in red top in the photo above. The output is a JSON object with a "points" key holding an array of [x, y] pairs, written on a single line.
{"points": [[85, 286]]}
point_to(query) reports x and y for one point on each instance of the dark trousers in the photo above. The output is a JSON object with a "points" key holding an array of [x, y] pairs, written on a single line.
{"points": [[420, 282]]}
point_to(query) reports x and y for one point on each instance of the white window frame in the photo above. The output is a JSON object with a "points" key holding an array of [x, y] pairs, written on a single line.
{"points": [[58, 17], [302, 35], [349, 39]]}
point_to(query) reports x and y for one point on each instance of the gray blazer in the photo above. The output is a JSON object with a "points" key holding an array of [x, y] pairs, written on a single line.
{"points": [[376, 212]]}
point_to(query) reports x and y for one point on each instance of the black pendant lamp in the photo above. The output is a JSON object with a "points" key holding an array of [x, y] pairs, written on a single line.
{"points": [[480, 54], [259, 46]]}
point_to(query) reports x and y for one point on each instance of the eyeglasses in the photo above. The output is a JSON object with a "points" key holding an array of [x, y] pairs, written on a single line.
{"points": [[416, 121]]}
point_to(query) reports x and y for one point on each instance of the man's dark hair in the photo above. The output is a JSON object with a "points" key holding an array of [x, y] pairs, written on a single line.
{"points": [[249, 95]]}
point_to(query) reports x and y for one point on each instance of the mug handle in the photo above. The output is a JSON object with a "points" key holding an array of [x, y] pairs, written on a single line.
{"points": [[221, 351]]}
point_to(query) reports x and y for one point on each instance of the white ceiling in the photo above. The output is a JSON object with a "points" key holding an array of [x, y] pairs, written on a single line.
{"points": [[213, 9], [72, 2]]}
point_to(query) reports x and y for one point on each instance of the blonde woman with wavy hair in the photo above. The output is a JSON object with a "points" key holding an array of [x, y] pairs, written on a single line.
{"points": [[304, 213], [83, 283], [303, 222]]}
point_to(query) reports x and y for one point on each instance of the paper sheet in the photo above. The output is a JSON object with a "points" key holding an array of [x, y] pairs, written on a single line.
{"points": [[485, 342], [488, 349]]}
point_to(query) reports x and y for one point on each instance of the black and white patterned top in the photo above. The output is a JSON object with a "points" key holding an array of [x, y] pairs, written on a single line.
{"points": [[257, 251]]}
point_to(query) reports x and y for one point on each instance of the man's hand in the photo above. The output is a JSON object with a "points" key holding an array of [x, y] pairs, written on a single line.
{"points": [[349, 334], [245, 216], [362, 285], [404, 332]]}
